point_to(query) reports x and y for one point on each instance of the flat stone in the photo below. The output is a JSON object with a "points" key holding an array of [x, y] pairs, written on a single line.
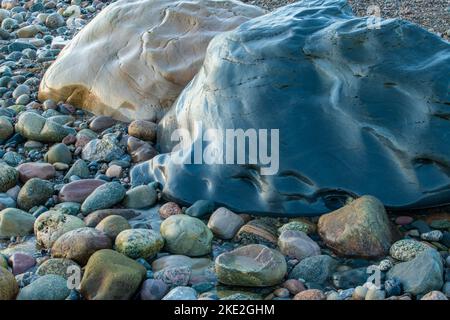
{"points": [[434, 295], [311, 294], [15, 222], [44, 171], [21, 262], [48, 287], [101, 123], [103, 197], [252, 265], [181, 293], [201, 208], [78, 191]]}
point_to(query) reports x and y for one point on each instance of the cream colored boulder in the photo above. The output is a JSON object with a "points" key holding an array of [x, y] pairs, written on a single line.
{"points": [[132, 61]]}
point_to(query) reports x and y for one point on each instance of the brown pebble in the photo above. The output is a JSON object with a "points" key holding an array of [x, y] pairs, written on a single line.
{"points": [[311, 294], [294, 286], [169, 209]]}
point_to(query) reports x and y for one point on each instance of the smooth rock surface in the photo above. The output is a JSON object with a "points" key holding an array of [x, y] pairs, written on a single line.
{"points": [[225, 223], [15, 222], [298, 245], [8, 177], [39, 170], [139, 243], [110, 275], [361, 228], [316, 269], [50, 225], [420, 275], [78, 191], [186, 235], [79, 244], [8, 285], [252, 265], [48, 287], [112, 226], [34, 192], [312, 70], [103, 197], [138, 64]]}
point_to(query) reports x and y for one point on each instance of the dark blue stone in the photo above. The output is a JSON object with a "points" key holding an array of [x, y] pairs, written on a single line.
{"points": [[359, 110]]}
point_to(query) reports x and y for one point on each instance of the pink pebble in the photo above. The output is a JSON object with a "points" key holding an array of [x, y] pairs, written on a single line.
{"points": [[21, 262], [403, 220]]}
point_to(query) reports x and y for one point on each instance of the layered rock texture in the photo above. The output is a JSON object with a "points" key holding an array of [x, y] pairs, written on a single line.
{"points": [[132, 61], [360, 110]]}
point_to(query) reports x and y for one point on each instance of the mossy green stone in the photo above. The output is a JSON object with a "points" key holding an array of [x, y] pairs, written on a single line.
{"points": [[186, 235], [56, 266], [8, 285], [253, 265], [139, 243], [8, 177], [15, 222], [110, 275], [35, 192]]}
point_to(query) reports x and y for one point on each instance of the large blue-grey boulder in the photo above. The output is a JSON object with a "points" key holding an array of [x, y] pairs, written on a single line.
{"points": [[361, 109]]}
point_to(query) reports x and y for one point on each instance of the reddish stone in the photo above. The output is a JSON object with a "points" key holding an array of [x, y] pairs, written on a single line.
{"points": [[140, 150], [21, 262], [294, 286], [39, 170], [101, 123], [70, 139], [82, 141], [311, 294], [169, 209], [403, 220], [78, 191]]}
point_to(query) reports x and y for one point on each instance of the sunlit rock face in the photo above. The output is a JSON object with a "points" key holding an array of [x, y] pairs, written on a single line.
{"points": [[132, 61], [361, 110]]}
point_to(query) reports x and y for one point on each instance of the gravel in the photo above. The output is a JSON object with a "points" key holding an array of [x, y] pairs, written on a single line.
{"points": [[434, 15]]}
